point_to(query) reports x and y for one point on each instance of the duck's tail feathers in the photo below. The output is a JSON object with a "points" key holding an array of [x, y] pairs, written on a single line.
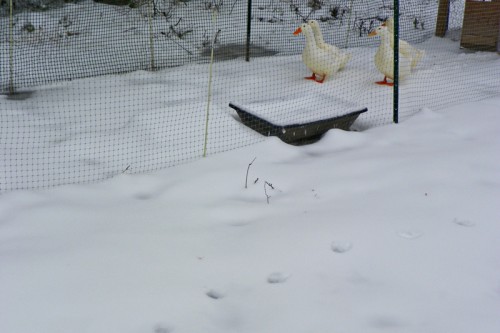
{"points": [[345, 59], [419, 54]]}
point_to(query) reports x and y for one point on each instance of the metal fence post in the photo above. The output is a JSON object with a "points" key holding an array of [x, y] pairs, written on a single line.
{"points": [[249, 26], [396, 63], [11, 49]]}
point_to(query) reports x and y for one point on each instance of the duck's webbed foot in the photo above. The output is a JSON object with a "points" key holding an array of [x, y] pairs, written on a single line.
{"points": [[322, 79], [384, 82], [312, 77]]}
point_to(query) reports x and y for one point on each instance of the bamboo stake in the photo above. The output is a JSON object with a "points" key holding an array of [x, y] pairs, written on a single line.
{"points": [[151, 39], [348, 26], [209, 98]]}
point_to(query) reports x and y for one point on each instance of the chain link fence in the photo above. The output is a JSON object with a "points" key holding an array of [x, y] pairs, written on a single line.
{"points": [[93, 89]]}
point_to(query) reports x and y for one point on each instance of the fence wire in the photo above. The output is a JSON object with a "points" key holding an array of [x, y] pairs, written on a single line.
{"points": [[93, 89]]}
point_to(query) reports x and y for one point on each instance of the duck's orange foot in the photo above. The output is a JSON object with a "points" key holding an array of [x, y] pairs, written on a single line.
{"points": [[385, 83], [312, 77], [322, 79]]}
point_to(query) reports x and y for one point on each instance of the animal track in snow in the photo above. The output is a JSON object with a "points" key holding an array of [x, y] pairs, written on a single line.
{"points": [[464, 223], [409, 234], [214, 294], [277, 277], [162, 328], [341, 247]]}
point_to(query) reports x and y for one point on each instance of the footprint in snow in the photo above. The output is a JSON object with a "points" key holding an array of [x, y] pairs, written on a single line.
{"points": [[214, 294], [464, 223], [409, 234], [143, 196], [341, 247], [161, 328], [277, 277]]}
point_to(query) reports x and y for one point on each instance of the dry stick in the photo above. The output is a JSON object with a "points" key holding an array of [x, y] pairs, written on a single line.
{"points": [[265, 191], [232, 7], [182, 47], [248, 168]]}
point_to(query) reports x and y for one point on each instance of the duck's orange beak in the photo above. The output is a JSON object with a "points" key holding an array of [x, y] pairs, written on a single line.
{"points": [[298, 31], [372, 34]]}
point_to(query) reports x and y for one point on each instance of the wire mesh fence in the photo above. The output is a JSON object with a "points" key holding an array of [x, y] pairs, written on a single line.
{"points": [[94, 89]]}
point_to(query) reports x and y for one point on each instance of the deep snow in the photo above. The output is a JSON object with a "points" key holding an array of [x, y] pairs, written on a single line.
{"points": [[391, 229]]}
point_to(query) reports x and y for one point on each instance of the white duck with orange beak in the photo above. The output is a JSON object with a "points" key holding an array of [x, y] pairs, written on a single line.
{"points": [[405, 48], [342, 56], [321, 62], [384, 58]]}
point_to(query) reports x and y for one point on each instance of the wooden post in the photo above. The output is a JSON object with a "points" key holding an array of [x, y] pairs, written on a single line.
{"points": [[442, 18]]}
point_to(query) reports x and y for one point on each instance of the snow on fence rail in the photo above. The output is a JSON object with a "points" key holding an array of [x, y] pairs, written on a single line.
{"points": [[93, 89]]}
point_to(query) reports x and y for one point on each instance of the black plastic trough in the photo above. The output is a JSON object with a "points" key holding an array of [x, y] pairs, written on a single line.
{"points": [[299, 133]]}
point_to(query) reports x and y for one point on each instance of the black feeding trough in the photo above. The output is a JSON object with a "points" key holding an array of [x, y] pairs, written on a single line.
{"points": [[298, 120]]}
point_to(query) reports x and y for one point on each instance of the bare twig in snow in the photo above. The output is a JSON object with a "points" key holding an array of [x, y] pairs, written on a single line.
{"points": [[126, 169], [248, 168], [265, 190]]}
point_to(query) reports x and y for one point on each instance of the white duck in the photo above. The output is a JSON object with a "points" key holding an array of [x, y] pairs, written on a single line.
{"points": [[384, 58], [405, 48], [319, 61], [344, 57]]}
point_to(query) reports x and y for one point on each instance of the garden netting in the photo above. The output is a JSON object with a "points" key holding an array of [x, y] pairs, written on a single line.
{"points": [[94, 89]]}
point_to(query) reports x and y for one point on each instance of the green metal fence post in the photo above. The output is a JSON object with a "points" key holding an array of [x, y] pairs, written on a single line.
{"points": [[249, 26], [11, 48], [396, 63]]}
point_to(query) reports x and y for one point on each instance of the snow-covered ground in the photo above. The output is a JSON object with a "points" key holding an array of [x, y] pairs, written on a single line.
{"points": [[393, 229]]}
